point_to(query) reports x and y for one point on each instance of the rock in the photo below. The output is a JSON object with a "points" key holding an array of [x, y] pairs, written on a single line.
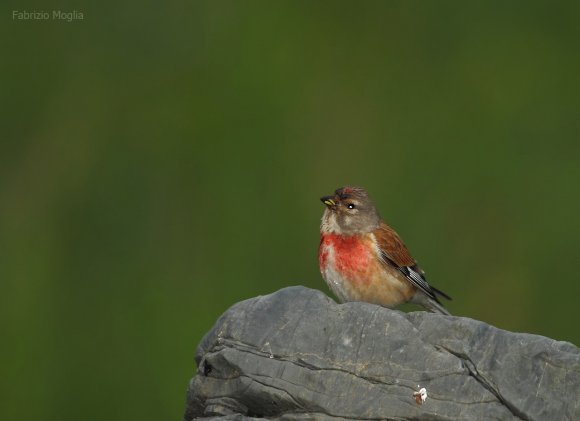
{"points": [[297, 355]]}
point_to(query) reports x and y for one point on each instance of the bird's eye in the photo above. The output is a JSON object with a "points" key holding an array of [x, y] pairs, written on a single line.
{"points": [[350, 205]]}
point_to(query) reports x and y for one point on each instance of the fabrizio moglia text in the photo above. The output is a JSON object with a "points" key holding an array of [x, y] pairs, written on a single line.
{"points": [[67, 16]]}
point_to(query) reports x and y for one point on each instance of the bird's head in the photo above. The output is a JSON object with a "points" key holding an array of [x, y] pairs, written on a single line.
{"points": [[349, 211]]}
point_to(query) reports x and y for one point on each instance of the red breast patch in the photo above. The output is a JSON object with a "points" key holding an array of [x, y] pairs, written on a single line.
{"points": [[353, 256]]}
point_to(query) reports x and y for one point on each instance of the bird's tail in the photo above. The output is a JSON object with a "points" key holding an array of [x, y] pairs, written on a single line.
{"points": [[430, 304], [435, 307]]}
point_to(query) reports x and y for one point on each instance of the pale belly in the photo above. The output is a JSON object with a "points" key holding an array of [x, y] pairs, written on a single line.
{"points": [[370, 281]]}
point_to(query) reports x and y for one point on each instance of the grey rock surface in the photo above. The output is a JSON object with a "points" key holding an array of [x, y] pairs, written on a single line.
{"points": [[297, 355]]}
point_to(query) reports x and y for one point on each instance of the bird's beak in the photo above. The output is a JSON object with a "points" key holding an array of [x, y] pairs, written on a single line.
{"points": [[328, 200]]}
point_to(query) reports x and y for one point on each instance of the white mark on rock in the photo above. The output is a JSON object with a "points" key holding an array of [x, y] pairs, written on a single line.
{"points": [[268, 349], [421, 395]]}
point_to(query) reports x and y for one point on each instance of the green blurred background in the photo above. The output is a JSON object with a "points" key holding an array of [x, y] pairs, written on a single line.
{"points": [[162, 161]]}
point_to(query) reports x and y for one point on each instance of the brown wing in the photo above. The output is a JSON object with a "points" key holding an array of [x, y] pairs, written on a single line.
{"points": [[394, 253], [391, 244]]}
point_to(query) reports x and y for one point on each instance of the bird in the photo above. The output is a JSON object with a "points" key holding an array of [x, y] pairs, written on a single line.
{"points": [[361, 258]]}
